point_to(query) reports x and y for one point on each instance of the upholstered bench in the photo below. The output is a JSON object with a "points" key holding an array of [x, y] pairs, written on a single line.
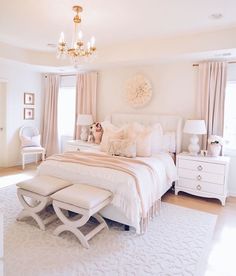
{"points": [[38, 190], [83, 200]]}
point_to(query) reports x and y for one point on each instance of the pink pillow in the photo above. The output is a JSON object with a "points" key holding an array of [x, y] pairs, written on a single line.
{"points": [[27, 141], [110, 132], [122, 147], [143, 137]]}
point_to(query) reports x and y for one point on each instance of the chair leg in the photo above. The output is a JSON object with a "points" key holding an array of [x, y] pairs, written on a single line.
{"points": [[23, 162], [36, 158], [43, 155]]}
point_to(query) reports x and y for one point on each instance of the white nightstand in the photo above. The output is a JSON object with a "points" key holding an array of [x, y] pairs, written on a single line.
{"points": [[203, 176], [79, 145]]}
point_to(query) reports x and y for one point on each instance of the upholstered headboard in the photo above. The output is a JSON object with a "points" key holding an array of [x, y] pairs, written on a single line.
{"points": [[168, 122]]}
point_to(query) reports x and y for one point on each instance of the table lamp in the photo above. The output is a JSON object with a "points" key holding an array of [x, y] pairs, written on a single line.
{"points": [[84, 120], [194, 127]]}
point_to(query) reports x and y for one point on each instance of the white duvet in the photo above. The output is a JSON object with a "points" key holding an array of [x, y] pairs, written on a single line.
{"points": [[121, 184]]}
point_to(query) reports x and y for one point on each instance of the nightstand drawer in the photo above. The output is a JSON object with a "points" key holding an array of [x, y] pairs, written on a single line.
{"points": [[201, 186], [201, 166], [201, 176]]}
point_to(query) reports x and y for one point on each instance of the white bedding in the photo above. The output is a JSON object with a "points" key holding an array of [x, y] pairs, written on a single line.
{"points": [[121, 184]]}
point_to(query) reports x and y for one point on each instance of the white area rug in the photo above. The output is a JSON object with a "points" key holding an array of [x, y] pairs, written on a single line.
{"points": [[175, 243]]}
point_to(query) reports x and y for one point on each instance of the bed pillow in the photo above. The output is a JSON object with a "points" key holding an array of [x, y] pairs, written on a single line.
{"points": [[157, 138], [169, 142], [142, 135], [110, 132], [122, 147], [27, 141]]}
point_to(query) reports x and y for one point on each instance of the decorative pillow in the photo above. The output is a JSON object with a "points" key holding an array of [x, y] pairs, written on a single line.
{"points": [[27, 141], [157, 138], [143, 137], [110, 132], [122, 147], [169, 142]]}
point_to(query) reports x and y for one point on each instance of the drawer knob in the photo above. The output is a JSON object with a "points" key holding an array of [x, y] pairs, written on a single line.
{"points": [[78, 149], [200, 168], [199, 177], [199, 187]]}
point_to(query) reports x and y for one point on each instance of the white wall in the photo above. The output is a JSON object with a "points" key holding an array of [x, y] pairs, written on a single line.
{"points": [[174, 90], [20, 78]]}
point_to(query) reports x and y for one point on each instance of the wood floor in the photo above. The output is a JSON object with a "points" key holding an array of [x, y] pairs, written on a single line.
{"points": [[222, 257]]}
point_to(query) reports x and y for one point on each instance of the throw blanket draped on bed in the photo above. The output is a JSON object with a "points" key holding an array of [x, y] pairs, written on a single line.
{"points": [[149, 193]]}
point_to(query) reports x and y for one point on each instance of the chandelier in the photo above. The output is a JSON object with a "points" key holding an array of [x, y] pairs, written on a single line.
{"points": [[78, 48]]}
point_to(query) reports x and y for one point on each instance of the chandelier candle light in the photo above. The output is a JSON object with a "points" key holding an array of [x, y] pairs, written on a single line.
{"points": [[78, 48]]}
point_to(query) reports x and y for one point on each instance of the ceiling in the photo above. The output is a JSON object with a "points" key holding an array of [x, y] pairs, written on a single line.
{"points": [[33, 24]]}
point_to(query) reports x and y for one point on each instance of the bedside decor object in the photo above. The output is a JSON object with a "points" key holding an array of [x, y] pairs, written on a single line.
{"points": [[29, 98], [203, 176], [28, 113], [139, 91], [84, 120], [194, 127], [215, 144], [97, 132]]}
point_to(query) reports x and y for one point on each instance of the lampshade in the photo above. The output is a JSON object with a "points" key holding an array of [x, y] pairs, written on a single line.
{"points": [[195, 127], [84, 119]]}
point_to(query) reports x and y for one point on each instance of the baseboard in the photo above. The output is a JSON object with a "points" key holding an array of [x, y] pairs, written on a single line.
{"points": [[232, 193]]}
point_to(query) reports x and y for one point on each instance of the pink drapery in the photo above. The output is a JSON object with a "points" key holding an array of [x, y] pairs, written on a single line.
{"points": [[49, 128], [212, 84], [86, 97]]}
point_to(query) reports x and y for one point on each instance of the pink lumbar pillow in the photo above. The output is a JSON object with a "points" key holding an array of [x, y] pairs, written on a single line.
{"points": [[122, 147], [27, 141]]}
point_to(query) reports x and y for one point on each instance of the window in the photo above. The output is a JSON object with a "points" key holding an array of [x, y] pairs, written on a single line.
{"points": [[230, 115], [66, 114]]}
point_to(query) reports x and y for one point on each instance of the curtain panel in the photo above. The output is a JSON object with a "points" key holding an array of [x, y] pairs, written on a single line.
{"points": [[211, 100], [49, 128], [86, 97]]}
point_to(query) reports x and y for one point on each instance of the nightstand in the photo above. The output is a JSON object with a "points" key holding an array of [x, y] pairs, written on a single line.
{"points": [[79, 145], [202, 176]]}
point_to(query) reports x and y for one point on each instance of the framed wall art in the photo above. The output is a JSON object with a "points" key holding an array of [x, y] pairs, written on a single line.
{"points": [[28, 113], [29, 98]]}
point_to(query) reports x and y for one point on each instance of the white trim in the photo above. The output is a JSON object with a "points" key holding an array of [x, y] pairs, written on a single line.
{"points": [[229, 151]]}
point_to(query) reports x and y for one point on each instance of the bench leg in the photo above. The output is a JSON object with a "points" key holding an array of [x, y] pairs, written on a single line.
{"points": [[32, 211], [72, 226]]}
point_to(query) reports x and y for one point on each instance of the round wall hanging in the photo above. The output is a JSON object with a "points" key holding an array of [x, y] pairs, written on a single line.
{"points": [[138, 91]]}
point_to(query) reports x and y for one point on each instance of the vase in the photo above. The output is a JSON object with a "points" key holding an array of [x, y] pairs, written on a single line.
{"points": [[214, 149]]}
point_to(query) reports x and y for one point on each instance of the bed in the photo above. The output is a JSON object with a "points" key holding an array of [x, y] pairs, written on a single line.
{"points": [[125, 206]]}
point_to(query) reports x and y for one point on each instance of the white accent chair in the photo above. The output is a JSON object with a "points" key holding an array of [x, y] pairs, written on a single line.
{"points": [[29, 132]]}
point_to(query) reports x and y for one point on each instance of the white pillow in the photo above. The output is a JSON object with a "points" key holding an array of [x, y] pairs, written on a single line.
{"points": [[157, 138], [27, 141], [169, 142]]}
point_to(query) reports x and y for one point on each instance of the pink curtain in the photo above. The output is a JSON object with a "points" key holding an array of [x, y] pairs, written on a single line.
{"points": [[212, 84], [86, 97], [49, 128]]}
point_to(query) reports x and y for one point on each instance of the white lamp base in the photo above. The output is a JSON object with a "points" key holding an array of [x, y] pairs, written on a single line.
{"points": [[194, 147], [84, 134]]}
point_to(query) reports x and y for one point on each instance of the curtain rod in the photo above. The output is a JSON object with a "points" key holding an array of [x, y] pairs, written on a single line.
{"points": [[230, 62], [64, 75]]}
